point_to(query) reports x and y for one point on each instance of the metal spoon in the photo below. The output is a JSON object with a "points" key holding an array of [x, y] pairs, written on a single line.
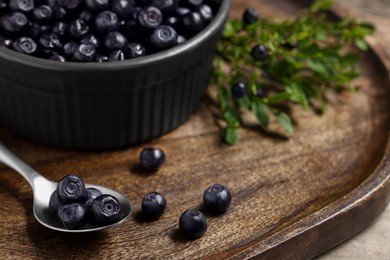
{"points": [[43, 188]]}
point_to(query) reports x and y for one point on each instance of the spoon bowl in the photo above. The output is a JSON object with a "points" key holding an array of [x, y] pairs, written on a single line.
{"points": [[43, 188]]}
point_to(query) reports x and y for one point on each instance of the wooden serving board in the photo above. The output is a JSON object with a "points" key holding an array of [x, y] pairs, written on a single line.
{"points": [[292, 198]]}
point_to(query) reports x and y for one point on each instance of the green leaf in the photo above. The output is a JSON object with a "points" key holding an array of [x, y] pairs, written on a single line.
{"points": [[279, 97], [231, 116], [321, 5], [298, 95], [361, 44], [229, 30], [230, 135], [318, 67], [370, 28], [245, 103], [285, 121], [261, 112], [349, 60]]}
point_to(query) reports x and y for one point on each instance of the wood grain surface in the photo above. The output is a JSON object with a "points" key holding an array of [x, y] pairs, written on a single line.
{"points": [[292, 198]]}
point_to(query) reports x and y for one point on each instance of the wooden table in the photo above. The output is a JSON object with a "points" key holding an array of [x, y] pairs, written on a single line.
{"points": [[292, 198]]}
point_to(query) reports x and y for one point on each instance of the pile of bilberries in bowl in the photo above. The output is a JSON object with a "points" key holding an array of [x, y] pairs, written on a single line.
{"points": [[128, 70], [100, 30]]}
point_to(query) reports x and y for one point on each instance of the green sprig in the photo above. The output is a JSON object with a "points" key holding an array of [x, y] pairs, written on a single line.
{"points": [[306, 57]]}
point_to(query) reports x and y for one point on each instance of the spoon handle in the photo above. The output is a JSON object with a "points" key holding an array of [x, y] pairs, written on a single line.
{"points": [[11, 160]]}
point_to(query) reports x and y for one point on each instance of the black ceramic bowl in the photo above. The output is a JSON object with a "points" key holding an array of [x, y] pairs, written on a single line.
{"points": [[105, 105]]}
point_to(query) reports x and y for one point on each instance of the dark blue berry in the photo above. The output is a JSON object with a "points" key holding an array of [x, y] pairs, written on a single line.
{"points": [[123, 8], [50, 42], [192, 4], [149, 18], [106, 209], [167, 7], [115, 41], [36, 30], [239, 89], [78, 28], [193, 223], [250, 16], [217, 199], [69, 4], [72, 216], [60, 28], [21, 5], [259, 53], [154, 204], [163, 37], [171, 21], [25, 45], [135, 50], [70, 48], [86, 16], [116, 55], [101, 58], [4, 42], [90, 39], [57, 57], [97, 5], [92, 194], [13, 22], [152, 158], [71, 189], [42, 14], [84, 52], [192, 22], [182, 11], [59, 13], [55, 203], [107, 21], [3, 5], [205, 12], [181, 39]]}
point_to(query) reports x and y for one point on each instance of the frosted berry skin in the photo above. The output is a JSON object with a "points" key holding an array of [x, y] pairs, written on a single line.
{"points": [[106, 22], [115, 41], [25, 45], [71, 189], [22, 5], [78, 28], [13, 22], [84, 52], [152, 158], [193, 223], [163, 37], [154, 204], [106, 209], [42, 14], [97, 5], [72, 216], [149, 18], [217, 199], [123, 8]]}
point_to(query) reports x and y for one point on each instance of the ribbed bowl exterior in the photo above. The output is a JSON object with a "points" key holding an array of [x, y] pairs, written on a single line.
{"points": [[104, 105]]}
